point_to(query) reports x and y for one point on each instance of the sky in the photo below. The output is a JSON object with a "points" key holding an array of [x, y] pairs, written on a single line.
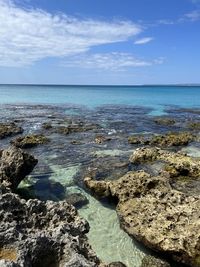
{"points": [[99, 42]]}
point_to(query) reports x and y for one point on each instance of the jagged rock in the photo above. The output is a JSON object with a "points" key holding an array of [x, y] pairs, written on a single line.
{"points": [[14, 166], [9, 129], [43, 234], [150, 261], [150, 210], [177, 164], [165, 140], [36, 233], [30, 141], [172, 139], [100, 139]]}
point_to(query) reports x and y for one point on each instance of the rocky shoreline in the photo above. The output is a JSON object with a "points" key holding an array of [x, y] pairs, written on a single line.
{"points": [[153, 184]]}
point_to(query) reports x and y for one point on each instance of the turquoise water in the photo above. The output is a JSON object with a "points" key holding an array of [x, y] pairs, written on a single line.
{"points": [[156, 97]]}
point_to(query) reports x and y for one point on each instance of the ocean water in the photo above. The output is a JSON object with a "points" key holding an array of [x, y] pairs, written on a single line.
{"points": [[119, 111], [155, 97]]}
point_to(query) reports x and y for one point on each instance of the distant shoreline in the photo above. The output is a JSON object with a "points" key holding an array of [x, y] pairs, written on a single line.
{"points": [[106, 85]]}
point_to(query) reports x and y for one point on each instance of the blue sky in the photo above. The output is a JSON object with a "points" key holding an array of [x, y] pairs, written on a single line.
{"points": [[100, 41]]}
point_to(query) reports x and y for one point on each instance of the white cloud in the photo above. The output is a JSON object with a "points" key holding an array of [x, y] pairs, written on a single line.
{"points": [[109, 61], [144, 40], [29, 35], [193, 16]]}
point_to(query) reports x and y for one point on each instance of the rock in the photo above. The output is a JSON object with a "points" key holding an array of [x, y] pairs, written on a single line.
{"points": [[100, 139], [177, 164], [150, 210], [36, 233], [164, 121], [46, 125], [14, 166], [172, 139], [166, 140], [77, 199], [136, 140], [43, 234], [75, 128], [30, 141], [150, 261], [9, 129], [195, 125], [116, 264]]}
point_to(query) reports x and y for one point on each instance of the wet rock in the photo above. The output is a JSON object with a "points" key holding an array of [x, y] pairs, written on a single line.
{"points": [[77, 199], [194, 125], [76, 142], [164, 121], [9, 129], [30, 141], [116, 264], [100, 139], [14, 166], [167, 140], [151, 261], [47, 126], [172, 139], [75, 128], [136, 140], [150, 210], [177, 164]]}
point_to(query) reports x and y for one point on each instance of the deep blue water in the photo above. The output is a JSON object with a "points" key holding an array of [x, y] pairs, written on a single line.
{"points": [[92, 96]]}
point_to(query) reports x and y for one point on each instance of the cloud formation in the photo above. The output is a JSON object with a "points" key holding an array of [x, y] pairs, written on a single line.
{"points": [[29, 35], [144, 40], [193, 16], [109, 61]]}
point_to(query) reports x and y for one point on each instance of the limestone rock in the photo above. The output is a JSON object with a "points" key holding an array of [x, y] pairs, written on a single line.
{"points": [[30, 141], [14, 166], [162, 218], [9, 129]]}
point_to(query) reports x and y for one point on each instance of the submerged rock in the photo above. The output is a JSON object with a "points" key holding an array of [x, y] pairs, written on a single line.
{"points": [[30, 141], [75, 128], [151, 211], [166, 140], [151, 261], [164, 121], [195, 125], [77, 199], [9, 129], [100, 139]]}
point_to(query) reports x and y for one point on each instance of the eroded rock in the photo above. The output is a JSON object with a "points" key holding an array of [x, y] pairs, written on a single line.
{"points": [[9, 129], [152, 211], [14, 166], [30, 141]]}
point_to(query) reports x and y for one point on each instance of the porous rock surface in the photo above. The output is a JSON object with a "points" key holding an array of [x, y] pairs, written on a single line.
{"points": [[9, 129], [35, 233], [29, 141], [152, 211]]}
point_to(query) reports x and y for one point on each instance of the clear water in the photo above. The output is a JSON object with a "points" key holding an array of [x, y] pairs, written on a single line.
{"points": [[60, 161], [156, 97]]}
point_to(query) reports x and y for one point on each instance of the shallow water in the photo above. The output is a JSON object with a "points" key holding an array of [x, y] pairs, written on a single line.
{"points": [[63, 165]]}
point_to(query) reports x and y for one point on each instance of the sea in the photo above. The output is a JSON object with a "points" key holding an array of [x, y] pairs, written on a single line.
{"points": [[116, 112]]}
